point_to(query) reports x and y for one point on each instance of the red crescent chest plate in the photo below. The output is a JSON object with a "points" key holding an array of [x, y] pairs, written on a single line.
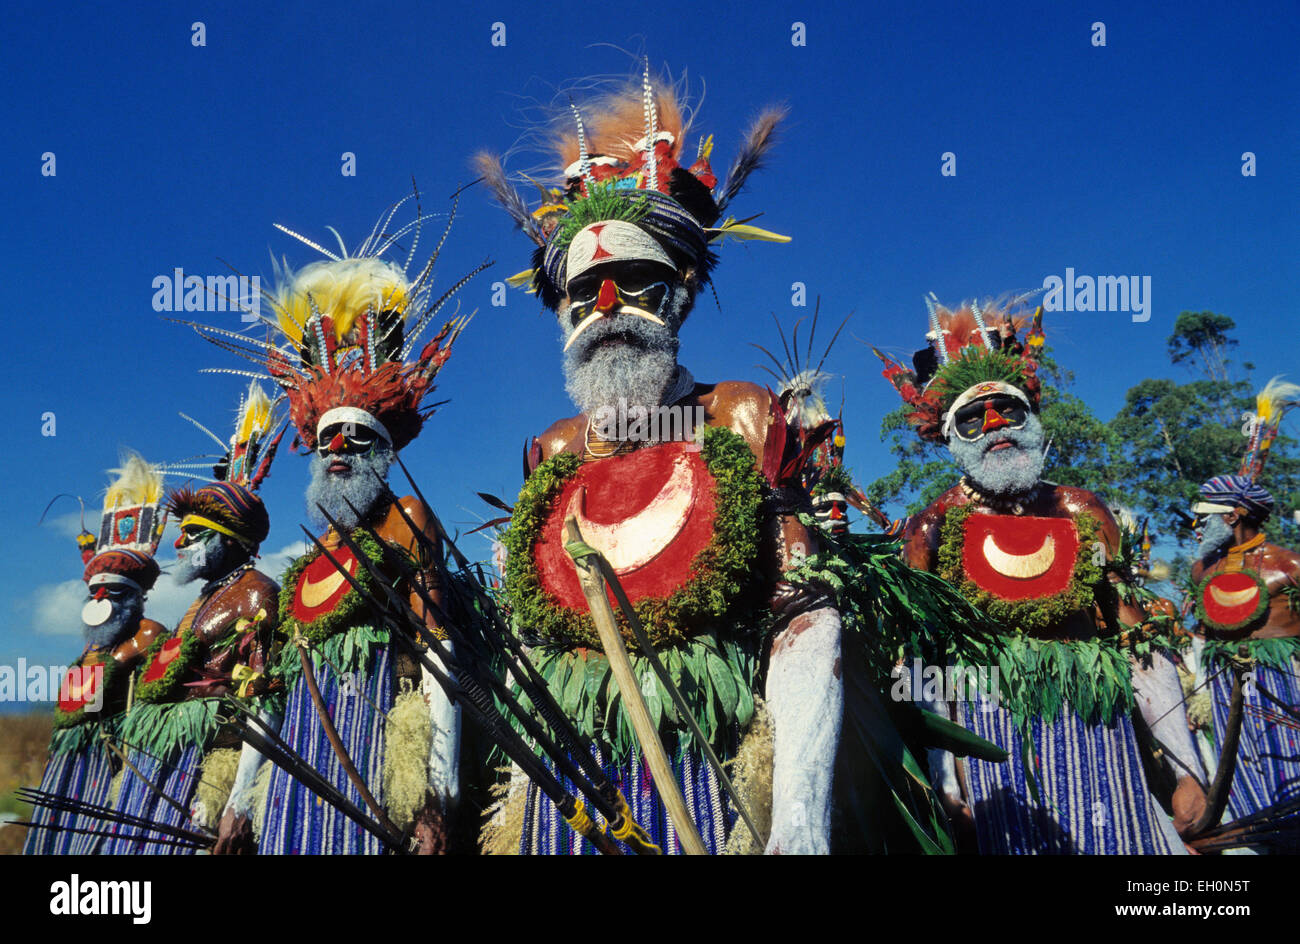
{"points": [[166, 655], [321, 586], [1230, 599], [80, 686], [1020, 558], [649, 512]]}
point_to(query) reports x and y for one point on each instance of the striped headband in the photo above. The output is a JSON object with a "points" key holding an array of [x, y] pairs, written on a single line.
{"points": [[1234, 491]]}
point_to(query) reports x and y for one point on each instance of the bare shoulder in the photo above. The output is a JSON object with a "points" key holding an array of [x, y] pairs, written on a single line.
{"points": [[418, 514], [735, 396], [1078, 500], [560, 434], [744, 408], [259, 586], [921, 534]]}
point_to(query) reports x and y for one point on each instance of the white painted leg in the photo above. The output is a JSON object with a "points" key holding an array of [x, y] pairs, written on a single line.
{"points": [[806, 697], [1159, 696], [444, 749]]}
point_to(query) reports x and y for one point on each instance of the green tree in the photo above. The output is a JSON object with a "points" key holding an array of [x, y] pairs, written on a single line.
{"points": [[1171, 437]]}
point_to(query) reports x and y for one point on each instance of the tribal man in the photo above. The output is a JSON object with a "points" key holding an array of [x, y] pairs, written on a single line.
{"points": [[179, 761], [1033, 556], [1247, 605], [679, 484], [119, 571], [351, 324]]}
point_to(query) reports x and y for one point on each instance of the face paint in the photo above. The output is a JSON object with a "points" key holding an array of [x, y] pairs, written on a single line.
{"points": [[1006, 461], [631, 289], [204, 556], [340, 438], [981, 417]]}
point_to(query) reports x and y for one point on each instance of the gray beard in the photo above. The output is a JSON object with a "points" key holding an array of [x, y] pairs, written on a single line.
{"points": [[126, 616], [359, 487], [1006, 472], [218, 559], [637, 372], [1215, 537]]}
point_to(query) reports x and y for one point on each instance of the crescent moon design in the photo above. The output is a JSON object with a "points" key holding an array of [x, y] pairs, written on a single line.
{"points": [[1234, 598], [168, 653], [637, 540], [1020, 566], [81, 685], [314, 594]]}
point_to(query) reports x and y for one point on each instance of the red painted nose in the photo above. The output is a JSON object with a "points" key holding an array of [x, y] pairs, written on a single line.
{"points": [[608, 296], [992, 419], [99, 593], [336, 444], [180, 541]]}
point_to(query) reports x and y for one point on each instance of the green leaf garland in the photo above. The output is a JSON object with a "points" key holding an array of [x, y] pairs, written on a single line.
{"points": [[1023, 616], [723, 569]]}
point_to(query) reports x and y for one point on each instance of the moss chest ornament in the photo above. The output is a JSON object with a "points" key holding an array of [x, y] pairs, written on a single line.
{"points": [[1025, 572], [87, 690], [678, 522], [1232, 600], [317, 600]]}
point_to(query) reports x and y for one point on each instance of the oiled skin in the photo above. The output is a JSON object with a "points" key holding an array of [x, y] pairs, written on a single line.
{"points": [[921, 541]]}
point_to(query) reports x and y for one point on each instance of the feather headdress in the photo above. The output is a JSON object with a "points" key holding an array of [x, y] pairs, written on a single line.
{"points": [[229, 504], [1271, 405], [131, 526], [343, 341], [623, 159], [973, 350]]}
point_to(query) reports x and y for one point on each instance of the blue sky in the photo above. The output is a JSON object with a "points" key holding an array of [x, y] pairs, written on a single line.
{"points": [[1122, 160]]}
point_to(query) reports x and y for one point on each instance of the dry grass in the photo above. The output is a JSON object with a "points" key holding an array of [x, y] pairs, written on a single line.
{"points": [[24, 740]]}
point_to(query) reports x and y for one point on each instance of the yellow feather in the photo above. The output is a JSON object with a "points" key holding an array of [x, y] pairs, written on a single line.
{"points": [[254, 415], [344, 290], [137, 483], [1276, 396]]}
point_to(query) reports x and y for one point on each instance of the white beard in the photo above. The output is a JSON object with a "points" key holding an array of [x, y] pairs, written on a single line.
{"points": [[636, 373]]}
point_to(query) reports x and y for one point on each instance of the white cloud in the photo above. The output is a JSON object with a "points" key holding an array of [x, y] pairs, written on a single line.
{"points": [[56, 608]]}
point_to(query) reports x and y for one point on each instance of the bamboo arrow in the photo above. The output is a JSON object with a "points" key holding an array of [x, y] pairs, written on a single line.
{"points": [[593, 588], [643, 641]]}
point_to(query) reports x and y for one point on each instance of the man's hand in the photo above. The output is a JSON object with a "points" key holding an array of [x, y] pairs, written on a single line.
{"points": [[1189, 805], [235, 835], [962, 821], [431, 830]]}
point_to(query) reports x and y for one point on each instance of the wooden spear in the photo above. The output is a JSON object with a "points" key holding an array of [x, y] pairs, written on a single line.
{"points": [[602, 614]]}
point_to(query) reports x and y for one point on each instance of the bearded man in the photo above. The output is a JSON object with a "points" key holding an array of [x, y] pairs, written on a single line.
{"points": [[679, 484], [1247, 613], [1033, 556], [175, 743], [355, 401], [119, 571]]}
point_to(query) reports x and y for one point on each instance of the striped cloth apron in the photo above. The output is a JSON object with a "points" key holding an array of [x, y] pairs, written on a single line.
{"points": [[178, 778], [296, 820], [546, 833], [1095, 799], [81, 775], [1268, 752]]}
